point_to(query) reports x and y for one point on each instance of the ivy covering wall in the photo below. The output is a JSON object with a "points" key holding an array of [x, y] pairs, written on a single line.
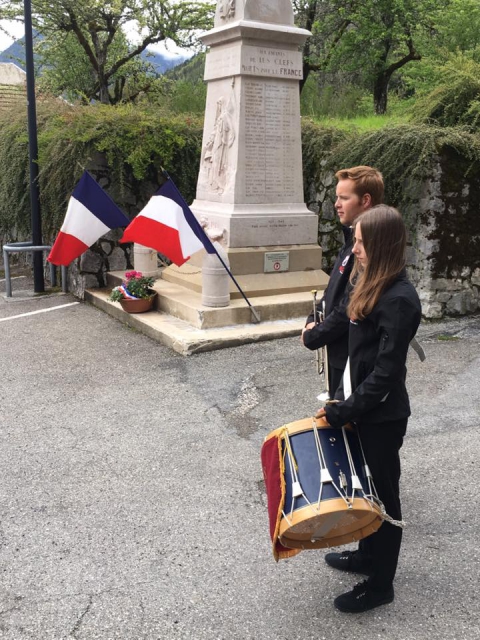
{"points": [[135, 143]]}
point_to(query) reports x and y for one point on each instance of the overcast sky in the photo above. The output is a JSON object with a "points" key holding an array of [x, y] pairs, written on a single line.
{"points": [[17, 30]]}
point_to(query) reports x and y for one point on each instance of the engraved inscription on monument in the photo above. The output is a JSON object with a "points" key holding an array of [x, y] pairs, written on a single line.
{"points": [[267, 61], [254, 61], [270, 143]]}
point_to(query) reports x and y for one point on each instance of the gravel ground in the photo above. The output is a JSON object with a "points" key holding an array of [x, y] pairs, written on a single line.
{"points": [[131, 495]]}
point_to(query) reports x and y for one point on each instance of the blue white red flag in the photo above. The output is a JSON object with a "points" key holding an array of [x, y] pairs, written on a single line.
{"points": [[168, 225], [91, 214]]}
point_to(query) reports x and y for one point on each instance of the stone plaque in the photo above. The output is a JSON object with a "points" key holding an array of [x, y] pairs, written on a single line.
{"points": [[221, 63], [253, 61], [271, 145], [276, 261], [274, 63]]}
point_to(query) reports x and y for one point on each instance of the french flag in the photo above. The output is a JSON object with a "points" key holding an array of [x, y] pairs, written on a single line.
{"points": [[91, 214], [168, 225]]}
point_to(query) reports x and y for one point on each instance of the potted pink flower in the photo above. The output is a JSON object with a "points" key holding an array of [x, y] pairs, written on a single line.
{"points": [[135, 294]]}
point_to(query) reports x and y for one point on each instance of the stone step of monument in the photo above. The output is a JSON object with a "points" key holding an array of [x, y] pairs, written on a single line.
{"points": [[186, 304], [186, 339], [253, 285]]}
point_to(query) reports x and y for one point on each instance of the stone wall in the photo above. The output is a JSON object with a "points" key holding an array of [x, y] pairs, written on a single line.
{"points": [[444, 234], [443, 254]]}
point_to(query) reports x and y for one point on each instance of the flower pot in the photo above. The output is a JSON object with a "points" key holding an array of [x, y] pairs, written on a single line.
{"points": [[140, 305]]}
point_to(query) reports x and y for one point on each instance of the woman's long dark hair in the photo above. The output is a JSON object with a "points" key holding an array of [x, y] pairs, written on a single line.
{"points": [[384, 239]]}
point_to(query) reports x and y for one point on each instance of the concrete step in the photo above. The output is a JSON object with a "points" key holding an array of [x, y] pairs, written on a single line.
{"points": [[185, 304], [186, 339]]}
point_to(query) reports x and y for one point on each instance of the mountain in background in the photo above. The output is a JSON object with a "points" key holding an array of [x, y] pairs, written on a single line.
{"points": [[191, 70], [14, 53], [160, 62]]}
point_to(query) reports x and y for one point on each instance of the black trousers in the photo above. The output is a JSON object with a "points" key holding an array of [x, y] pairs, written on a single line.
{"points": [[381, 444]]}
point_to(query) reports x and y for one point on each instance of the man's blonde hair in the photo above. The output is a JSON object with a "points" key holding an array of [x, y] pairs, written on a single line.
{"points": [[367, 180]]}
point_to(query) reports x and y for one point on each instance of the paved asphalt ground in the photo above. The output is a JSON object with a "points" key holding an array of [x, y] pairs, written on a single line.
{"points": [[131, 494]]}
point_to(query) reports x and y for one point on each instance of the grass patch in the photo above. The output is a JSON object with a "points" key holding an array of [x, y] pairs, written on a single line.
{"points": [[447, 338], [363, 123]]}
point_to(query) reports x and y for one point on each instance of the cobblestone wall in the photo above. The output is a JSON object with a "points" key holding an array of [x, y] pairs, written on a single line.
{"points": [[444, 257], [443, 218]]}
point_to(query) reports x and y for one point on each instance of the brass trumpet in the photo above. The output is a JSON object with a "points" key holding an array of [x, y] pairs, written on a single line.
{"points": [[321, 353]]}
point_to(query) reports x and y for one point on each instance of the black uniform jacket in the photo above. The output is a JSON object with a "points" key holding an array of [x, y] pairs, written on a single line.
{"points": [[378, 349], [334, 330]]}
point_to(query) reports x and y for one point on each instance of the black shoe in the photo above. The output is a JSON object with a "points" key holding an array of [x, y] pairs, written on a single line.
{"points": [[347, 561], [362, 598]]}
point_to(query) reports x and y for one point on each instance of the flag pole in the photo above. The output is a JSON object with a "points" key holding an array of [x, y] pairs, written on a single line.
{"points": [[252, 308], [36, 219]]}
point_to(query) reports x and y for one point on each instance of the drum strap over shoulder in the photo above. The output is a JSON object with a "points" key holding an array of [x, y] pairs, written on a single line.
{"points": [[347, 381]]}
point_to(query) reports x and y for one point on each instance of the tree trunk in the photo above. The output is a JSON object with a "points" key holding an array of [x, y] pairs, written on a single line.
{"points": [[380, 93], [103, 92], [306, 73]]}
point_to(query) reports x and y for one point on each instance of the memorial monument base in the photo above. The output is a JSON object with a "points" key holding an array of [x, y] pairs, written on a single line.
{"points": [[187, 338], [260, 271]]}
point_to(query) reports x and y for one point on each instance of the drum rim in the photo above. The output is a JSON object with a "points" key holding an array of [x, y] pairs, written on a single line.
{"points": [[324, 543], [328, 507], [300, 426]]}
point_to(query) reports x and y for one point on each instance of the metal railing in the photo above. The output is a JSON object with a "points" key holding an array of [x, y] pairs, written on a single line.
{"points": [[26, 247]]}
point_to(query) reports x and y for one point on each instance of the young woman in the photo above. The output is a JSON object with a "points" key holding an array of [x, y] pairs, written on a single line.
{"points": [[384, 312]]}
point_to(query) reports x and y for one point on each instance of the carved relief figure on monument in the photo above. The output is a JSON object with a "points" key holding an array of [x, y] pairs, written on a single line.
{"points": [[226, 9], [214, 232], [216, 150]]}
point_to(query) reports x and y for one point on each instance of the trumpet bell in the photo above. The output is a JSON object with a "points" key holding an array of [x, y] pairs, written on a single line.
{"points": [[324, 396]]}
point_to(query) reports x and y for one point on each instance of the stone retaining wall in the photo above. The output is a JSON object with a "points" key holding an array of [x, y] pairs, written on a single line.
{"points": [[443, 218], [444, 229]]}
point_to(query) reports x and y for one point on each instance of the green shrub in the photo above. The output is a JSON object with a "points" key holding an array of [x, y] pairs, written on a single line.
{"points": [[455, 100], [405, 154], [132, 144], [136, 143]]}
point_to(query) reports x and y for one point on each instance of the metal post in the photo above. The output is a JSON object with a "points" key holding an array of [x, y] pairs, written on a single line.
{"points": [[8, 281], [38, 280], [64, 271]]}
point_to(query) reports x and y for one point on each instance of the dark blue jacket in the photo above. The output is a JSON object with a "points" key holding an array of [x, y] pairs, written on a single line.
{"points": [[334, 330]]}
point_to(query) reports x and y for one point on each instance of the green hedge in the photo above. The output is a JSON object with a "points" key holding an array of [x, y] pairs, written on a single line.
{"points": [[135, 142], [405, 154]]}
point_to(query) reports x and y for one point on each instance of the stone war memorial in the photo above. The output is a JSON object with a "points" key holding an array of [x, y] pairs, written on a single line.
{"points": [[249, 194], [250, 186]]}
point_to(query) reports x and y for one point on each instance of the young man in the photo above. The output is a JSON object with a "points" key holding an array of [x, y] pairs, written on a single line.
{"points": [[358, 189]]}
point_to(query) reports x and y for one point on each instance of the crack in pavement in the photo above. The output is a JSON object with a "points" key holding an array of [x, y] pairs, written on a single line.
{"points": [[79, 622]]}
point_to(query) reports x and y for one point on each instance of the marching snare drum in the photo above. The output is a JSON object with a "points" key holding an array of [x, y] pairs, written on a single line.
{"points": [[328, 494]]}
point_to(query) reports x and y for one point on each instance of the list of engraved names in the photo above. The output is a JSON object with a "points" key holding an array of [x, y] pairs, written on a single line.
{"points": [[270, 143]]}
